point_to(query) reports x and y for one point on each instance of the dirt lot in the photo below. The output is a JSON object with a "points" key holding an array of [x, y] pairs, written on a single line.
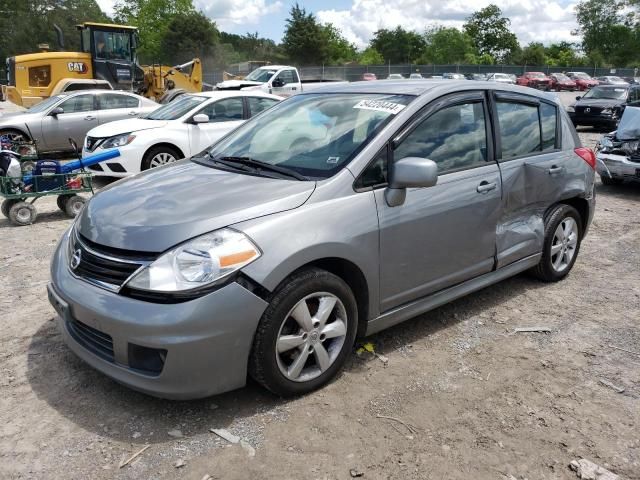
{"points": [[479, 401]]}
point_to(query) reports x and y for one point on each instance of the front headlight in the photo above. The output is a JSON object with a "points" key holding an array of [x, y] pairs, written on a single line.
{"points": [[118, 141], [607, 111], [197, 263], [571, 109]]}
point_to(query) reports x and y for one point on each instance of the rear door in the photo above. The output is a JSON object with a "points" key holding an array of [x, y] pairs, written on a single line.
{"points": [[117, 106], [80, 115], [536, 172], [446, 234], [224, 115]]}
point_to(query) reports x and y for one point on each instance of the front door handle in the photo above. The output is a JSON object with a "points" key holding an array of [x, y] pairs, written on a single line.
{"points": [[485, 187], [555, 169], [132, 114], [89, 117]]}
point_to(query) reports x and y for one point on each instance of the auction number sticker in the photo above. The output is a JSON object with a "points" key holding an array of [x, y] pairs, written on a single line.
{"points": [[380, 106]]}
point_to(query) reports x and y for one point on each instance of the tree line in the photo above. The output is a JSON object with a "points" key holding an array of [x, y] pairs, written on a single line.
{"points": [[174, 31]]}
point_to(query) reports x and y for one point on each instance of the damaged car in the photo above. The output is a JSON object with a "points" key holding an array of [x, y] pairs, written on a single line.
{"points": [[601, 106], [618, 153]]}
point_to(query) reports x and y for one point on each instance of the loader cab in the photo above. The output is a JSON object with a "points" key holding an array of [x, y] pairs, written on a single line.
{"points": [[113, 52]]}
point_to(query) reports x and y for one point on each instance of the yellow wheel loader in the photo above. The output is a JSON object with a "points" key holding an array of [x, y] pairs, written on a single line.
{"points": [[107, 60]]}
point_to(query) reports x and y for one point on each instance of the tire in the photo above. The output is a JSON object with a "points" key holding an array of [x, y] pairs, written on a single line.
{"points": [[160, 155], [555, 266], [610, 181], [61, 200], [15, 135], [22, 213], [304, 291], [6, 205], [73, 205]]}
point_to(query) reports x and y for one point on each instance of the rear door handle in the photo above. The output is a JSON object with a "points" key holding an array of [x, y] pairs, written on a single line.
{"points": [[555, 169], [485, 187], [89, 117], [132, 114]]}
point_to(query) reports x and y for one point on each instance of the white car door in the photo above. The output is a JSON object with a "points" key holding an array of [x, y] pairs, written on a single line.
{"points": [[286, 83], [224, 115]]}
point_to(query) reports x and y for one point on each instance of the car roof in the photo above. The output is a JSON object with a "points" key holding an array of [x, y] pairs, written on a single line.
{"points": [[274, 67], [234, 93], [421, 87]]}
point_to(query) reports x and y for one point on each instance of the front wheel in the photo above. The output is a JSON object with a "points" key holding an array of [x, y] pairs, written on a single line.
{"points": [[305, 335], [158, 156], [562, 236]]}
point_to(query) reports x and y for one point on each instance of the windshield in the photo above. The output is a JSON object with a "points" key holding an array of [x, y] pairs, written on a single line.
{"points": [[260, 75], [561, 77], [629, 128], [112, 45], [176, 109], [536, 75], [606, 93], [315, 135], [582, 76], [45, 104]]}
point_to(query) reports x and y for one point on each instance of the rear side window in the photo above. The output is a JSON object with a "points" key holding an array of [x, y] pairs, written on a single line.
{"points": [[110, 101], [548, 125], [454, 137]]}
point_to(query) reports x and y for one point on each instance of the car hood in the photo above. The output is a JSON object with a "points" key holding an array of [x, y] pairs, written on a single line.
{"points": [[236, 84], [160, 208], [125, 126], [18, 118], [597, 103]]}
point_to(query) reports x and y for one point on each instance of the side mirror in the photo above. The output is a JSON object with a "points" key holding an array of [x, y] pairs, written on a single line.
{"points": [[56, 111], [278, 82], [410, 172], [578, 97], [200, 118]]}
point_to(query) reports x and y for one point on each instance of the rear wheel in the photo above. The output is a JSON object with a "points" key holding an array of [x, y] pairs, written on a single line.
{"points": [[305, 335], [160, 155], [22, 213], [562, 237], [61, 200], [7, 204]]}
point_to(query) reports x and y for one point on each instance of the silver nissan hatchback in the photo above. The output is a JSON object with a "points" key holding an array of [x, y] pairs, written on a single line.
{"points": [[335, 214]]}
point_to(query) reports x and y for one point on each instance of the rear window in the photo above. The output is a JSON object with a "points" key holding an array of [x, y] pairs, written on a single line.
{"points": [[526, 129]]}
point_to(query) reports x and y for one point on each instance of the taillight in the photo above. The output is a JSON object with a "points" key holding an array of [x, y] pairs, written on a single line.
{"points": [[587, 155]]}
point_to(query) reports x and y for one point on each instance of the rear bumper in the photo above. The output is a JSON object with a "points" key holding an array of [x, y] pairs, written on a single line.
{"points": [[617, 166]]}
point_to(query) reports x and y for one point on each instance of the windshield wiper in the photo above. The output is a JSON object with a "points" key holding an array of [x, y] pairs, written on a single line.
{"points": [[258, 165]]}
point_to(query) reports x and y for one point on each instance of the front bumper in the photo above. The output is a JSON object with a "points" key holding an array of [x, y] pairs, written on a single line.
{"points": [[207, 340], [128, 163], [617, 166], [603, 119]]}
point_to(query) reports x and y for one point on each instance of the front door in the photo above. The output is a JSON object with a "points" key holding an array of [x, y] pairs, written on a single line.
{"points": [[78, 117], [224, 115], [287, 83], [446, 234]]}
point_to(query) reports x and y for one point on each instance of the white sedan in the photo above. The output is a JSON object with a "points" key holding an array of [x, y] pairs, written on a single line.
{"points": [[179, 129]]}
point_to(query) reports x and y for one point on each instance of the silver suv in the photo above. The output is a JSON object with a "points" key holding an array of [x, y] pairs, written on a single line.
{"points": [[335, 214]]}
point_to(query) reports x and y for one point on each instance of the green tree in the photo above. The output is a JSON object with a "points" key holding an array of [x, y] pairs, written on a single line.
{"points": [[446, 45], [532, 54], [339, 49], [304, 41], [490, 33], [152, 17], [398, 45], [370, 56], [189, 35]]}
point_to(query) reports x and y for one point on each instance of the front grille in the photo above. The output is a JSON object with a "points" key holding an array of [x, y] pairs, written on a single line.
{"points": [[103, 266], [592, 110], [93, 340]]}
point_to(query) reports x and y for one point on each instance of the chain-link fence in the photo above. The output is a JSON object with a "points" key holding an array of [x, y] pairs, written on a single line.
{"points": [[355, 72]]}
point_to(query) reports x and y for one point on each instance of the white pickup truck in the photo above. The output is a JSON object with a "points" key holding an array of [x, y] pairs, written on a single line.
{"points": [[281, 80]]}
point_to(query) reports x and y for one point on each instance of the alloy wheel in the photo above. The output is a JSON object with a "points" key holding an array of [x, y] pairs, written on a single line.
{"points": [[311, 337], [161, 158], [563, 247]]}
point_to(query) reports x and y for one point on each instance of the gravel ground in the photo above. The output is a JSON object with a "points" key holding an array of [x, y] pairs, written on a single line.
{"points": [[468, 397]]}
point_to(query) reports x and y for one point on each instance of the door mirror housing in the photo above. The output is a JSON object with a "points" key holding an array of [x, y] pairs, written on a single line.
{"points": [[200, 118], [57, 111], [410, 172], [578, 97], [277, 82]]}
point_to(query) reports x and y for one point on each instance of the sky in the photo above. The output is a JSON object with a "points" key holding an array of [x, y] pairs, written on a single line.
{"points": [[545, 21]]}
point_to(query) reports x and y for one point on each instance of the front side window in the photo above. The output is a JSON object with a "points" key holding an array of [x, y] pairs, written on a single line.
{"points": [[286, 77], [260, 75], [257, 104], [110, 101], [226, 110], [315, 135], [519, 129], [40, 76], [176, 109], [454, 137], [79, 103]]}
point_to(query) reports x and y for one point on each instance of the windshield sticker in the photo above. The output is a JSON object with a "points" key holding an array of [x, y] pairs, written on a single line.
{"points": [[379, 106], [333, 160]]}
